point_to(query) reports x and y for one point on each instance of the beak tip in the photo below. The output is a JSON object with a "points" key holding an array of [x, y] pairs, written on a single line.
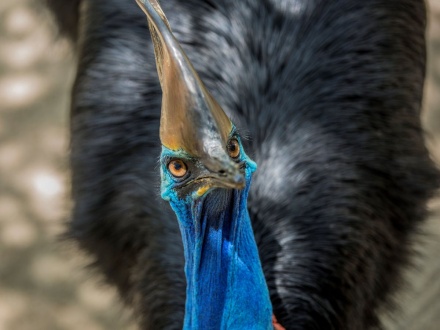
{"points": [[239, 180]]}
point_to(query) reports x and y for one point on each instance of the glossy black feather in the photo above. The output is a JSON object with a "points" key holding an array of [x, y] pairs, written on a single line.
{"points": [[329, 93]]}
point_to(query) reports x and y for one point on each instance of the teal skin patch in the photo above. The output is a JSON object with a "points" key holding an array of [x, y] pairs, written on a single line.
{"points": [[168, 181], [226, 288]]}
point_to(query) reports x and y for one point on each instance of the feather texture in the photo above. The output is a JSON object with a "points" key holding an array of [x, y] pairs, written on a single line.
{"points": [[329, 92]]}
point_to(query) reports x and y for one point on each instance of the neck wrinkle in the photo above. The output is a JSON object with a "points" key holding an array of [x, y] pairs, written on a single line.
{"points": [[221, 261]]}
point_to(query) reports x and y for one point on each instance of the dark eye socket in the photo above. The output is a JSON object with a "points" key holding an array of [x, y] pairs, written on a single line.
{"points": [[177, 168], [233, 148]]}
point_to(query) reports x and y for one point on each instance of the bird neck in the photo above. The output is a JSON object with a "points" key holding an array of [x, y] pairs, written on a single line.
{"points": [[226, 288]]}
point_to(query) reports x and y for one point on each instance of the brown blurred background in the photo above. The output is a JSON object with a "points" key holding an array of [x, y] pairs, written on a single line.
{"points": [[43, 283]]}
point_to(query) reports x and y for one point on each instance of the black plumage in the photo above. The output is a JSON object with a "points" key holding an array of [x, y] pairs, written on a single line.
{"points": [[328, 93]]}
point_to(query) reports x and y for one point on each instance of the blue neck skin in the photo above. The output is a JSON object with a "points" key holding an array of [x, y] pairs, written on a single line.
{"points": [[226, 288]]}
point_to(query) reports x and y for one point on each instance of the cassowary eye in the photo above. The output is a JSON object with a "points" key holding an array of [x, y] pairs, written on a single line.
{"points": [[233, 148], [177, 168]]}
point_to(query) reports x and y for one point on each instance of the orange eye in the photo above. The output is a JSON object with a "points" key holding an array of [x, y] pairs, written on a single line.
{"points": [[177, 168], [233, 148]]}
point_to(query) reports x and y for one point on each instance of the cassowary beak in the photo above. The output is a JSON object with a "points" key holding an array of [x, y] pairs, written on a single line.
{"points": [[233, 179], [191, 119]]}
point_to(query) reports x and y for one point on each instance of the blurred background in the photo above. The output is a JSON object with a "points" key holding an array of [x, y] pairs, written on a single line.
{"points": [[43, 283]]}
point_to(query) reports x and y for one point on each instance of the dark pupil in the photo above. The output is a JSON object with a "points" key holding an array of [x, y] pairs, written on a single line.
{"points": [[232, 147], [177, 166]]}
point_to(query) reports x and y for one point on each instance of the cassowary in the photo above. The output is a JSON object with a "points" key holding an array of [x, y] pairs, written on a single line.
{"points": [[324, 96]]}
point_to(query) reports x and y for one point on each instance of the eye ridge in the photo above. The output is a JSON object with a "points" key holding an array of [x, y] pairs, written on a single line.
{"points": [[177, 168]]}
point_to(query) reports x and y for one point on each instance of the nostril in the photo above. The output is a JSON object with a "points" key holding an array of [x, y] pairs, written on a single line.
{"points": [[222, 172]]}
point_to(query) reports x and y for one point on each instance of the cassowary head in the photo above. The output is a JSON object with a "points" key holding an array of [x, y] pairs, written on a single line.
{"points": [[201, 147], [206, 177]]}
